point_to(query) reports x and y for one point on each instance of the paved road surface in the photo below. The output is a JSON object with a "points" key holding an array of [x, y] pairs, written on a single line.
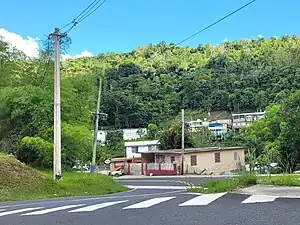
{"points": [[155, 207]]}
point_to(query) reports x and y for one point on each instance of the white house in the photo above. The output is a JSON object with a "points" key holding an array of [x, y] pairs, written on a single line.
{"points": [[240, 120], [128, 134], [135, 148], [133, 134], [195, 125]]}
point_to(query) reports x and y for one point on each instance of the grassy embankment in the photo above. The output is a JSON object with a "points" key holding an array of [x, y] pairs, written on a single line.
{"points": [[20, 182], [246, 180]]}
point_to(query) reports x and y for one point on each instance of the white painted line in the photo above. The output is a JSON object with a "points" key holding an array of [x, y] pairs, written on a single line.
{"points": [[97, 198], [92, 208], [1, 210], [190, 193], [149, 203], [19, 211], [203, 199], [45, 211], [159, 187], [259, 198]]}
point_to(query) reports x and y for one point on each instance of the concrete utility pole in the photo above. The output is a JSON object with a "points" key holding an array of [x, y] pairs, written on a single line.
{"points": [[57, 117], [93, 166], [182, 141]]}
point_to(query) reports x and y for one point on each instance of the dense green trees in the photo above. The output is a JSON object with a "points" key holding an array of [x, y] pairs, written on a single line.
{"points": [[148, 85], [276, 138]]}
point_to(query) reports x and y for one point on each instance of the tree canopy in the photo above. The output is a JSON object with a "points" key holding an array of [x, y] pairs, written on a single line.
{"points": [[147, 86]]}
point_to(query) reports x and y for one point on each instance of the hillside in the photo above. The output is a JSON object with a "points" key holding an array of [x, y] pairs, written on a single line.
{"points": [[148, 85], [20, 182]]}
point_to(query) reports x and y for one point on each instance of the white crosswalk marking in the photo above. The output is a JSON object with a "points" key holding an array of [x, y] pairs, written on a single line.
{"points": [[18, 211], [149, 203], [259, 198], [45, 211], [1, 210], [98, 206], [158, 187], [203, 199]]}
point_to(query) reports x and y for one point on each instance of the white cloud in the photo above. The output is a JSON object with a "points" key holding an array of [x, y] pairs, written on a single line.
{"points": [[80, 55], [28, 45]]}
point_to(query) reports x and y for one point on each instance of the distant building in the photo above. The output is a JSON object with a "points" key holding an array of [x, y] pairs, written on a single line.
{"points": [[217, 127], [134, 134], [195, 125], [240, 120], [134, 149], [128, 134], [101, 137], [219, 130]]}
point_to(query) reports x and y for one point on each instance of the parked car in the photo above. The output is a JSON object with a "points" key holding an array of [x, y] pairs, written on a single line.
{"points": [[78, 167], [117, 172]]}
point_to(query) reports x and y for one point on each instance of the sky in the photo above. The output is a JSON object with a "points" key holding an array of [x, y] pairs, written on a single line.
{"points": [[123, 25]]}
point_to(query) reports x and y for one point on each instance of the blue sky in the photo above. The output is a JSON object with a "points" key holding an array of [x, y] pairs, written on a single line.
{"points": [[123, 25]]}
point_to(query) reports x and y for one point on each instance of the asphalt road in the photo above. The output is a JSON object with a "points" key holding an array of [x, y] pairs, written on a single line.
{"points": [[154, 207], [166, 181]]}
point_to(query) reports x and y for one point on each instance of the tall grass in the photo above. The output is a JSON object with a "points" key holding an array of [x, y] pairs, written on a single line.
{"points": [[227, 185]]}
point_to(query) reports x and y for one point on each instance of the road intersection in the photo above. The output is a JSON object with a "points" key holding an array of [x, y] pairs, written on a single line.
{"points": [[154, 206]]}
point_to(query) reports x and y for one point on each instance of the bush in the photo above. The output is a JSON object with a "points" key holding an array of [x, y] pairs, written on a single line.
{"points": [[36, 151], [247, 179]]}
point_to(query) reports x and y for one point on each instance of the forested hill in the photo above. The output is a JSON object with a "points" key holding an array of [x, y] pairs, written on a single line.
{"points": [[152, 83], [149, 85]]}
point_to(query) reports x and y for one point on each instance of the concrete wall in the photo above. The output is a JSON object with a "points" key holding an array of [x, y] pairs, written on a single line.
{"points": [[206, 160]]}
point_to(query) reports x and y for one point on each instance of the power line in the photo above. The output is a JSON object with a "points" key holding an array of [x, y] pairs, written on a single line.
{"points": [[86, 9], [214, 23], [80, 20], [90, 9], [46, 65]]}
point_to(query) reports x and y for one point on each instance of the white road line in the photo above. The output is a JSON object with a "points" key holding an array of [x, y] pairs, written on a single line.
{"points": [[203, 199], [98, 206], [159, 187], [19, 211], [45, 211], [1, 210], [259, 198], [149, 203]]}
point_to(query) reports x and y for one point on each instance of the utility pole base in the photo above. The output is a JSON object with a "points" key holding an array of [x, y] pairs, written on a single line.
{"points": [[57, 177]]}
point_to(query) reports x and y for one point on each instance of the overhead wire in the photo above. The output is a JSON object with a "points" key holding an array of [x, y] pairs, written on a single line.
{"points": [[46, 65], [214, 23], [89, 10], [87, 15]]}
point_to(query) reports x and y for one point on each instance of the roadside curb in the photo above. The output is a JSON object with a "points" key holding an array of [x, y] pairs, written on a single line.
{"points": [[270, 190]]}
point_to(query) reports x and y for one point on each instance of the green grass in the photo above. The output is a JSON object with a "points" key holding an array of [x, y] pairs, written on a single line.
{"points": [[246, 180], [281, 180], [20, 182], [226, 185]]}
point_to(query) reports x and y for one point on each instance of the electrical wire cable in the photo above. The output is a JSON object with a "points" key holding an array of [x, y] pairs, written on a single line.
{"points": [[88, 11], [214, 23]]}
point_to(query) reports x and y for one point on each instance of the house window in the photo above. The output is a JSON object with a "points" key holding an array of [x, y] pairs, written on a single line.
{"points": [[193, 160], [217, 157], [160, 159], [172, 159], [151, 148], [135, 149], [235, 155]]}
